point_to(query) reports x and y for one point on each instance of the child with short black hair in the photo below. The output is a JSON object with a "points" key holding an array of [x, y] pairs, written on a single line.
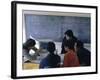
{"points": [[70, 58], [52, 60]]}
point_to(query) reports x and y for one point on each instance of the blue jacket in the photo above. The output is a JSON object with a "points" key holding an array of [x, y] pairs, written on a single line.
{"points": [[51, 61]]}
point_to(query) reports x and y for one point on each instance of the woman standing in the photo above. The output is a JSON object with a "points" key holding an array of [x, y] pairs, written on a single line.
{"points": [[69, 36]]}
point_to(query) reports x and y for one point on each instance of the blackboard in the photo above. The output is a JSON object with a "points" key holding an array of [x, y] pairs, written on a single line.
{"points": [[53, 27]]}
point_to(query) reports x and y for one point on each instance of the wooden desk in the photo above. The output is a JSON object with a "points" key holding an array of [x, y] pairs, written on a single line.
{"points": [[27, 66]]}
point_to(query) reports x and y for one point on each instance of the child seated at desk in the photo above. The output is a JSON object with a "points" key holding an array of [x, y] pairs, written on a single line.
{"points": [[51, 60], [27, 46], [70, 58]]}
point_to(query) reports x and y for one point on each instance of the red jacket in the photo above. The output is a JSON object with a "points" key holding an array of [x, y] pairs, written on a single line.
{"points": [[71, 59]]}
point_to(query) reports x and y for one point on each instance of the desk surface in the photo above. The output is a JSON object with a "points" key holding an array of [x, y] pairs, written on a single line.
{"points": [[35, 63], [27, 66]]}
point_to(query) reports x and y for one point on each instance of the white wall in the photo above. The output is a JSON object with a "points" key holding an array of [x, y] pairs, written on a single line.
{"points": [[5, 40]]}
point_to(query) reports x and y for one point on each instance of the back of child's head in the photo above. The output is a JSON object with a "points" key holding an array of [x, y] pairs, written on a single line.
{"points": [[70, 44], [51, 47], [79, 44]]}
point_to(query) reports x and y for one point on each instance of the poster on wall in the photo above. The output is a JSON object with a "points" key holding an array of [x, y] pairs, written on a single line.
{"points": [[50, 39]]}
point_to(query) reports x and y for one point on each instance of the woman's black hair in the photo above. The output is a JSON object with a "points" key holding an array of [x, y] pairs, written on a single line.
{"points": [[51, 47], [29, 43], [69, 33]]}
